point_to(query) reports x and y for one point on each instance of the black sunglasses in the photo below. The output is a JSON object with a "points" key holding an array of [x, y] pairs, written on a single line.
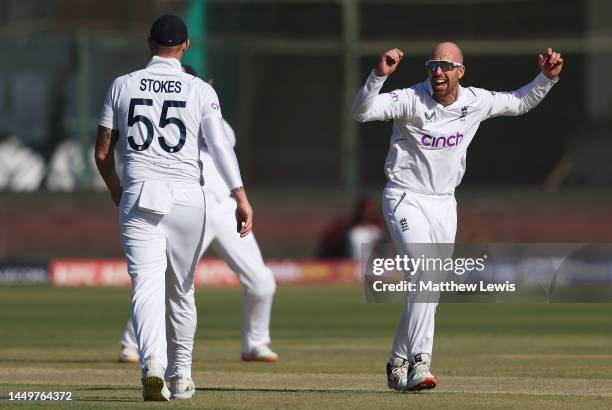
{"points": [[433, 65]]}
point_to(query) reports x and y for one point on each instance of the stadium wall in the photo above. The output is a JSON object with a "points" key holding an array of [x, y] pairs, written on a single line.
{"points": [[41, 226]]}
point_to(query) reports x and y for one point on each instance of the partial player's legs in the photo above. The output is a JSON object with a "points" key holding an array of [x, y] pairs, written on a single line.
{"points": [[183, 228], [181, 324], [244, 257], [149, 240], [129, 346], [145, 249], [415, 219], [255, 331], [407, 224]]}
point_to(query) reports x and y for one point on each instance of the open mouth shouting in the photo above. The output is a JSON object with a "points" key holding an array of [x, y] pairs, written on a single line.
{"points": [[439, 83]]}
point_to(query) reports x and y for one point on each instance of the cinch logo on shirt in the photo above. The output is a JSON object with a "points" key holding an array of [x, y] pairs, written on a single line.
{"points": [[440, 141]]}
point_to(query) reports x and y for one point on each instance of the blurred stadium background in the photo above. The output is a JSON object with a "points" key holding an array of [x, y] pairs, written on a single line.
{"points": [[286, 73]]}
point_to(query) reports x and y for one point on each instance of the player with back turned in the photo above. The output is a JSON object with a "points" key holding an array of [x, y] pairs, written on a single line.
{"points": [[158, 116], [241, 254], [433, 123]]}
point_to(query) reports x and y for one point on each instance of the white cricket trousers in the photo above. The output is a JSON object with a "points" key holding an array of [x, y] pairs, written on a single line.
{"points": [[163, 304], [244, 257], [414, 218]]}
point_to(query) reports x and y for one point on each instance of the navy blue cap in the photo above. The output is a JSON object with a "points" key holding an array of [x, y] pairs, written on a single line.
{"points": [[169, 30]]}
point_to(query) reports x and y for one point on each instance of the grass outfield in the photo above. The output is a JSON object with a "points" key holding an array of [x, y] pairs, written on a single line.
{"points": [[333, 350]]}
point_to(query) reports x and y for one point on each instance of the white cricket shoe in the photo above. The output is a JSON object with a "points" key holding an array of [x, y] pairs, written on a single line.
{"points": [[397, 373], [182, 387], [128, 354], [261, 353], [153, 384], [419, 376]]}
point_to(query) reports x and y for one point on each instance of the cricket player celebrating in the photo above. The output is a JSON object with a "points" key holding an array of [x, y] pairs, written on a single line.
{"points": [[434, 123], [241, 254], [160, 114]]}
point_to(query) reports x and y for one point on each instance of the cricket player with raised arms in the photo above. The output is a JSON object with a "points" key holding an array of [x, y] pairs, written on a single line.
{"points": [[160, 116], [433, 124]]}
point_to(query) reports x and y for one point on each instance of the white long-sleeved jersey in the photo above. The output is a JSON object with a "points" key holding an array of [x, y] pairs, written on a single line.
{"points": [[213, 181], [429, 142], [161, 114]]}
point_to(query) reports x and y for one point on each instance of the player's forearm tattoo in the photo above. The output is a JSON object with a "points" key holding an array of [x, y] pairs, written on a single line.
{"points": [[114, 138], [107, 134], [107, 139], [104, 137]]}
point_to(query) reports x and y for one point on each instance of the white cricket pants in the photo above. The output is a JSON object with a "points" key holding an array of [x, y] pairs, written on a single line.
{"points": [[415, 218], [244, 257], [163, 304]]}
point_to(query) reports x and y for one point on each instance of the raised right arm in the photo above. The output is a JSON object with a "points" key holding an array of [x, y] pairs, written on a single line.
{"points": [[369, 105]]}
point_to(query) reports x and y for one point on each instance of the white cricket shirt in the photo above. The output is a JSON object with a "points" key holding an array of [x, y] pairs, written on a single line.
{"points": [[428, 146], [213, 181], [158, 111]]}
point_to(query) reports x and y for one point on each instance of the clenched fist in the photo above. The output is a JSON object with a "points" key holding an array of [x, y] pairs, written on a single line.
{"points": [[388, 62], [551, 64]]}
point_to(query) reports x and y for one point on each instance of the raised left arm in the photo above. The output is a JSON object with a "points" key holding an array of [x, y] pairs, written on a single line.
{"points": [[551, 64], [520, 101]]}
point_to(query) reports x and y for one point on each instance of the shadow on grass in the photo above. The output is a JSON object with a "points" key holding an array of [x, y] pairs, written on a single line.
{"points": [[238, 390], [108, 389], [204, 390], [59, 360], [273, 390], [108, 399]]}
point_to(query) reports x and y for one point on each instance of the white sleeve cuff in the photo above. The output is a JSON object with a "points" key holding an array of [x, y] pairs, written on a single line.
{"points": [[376, 78], [542, 80]]}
